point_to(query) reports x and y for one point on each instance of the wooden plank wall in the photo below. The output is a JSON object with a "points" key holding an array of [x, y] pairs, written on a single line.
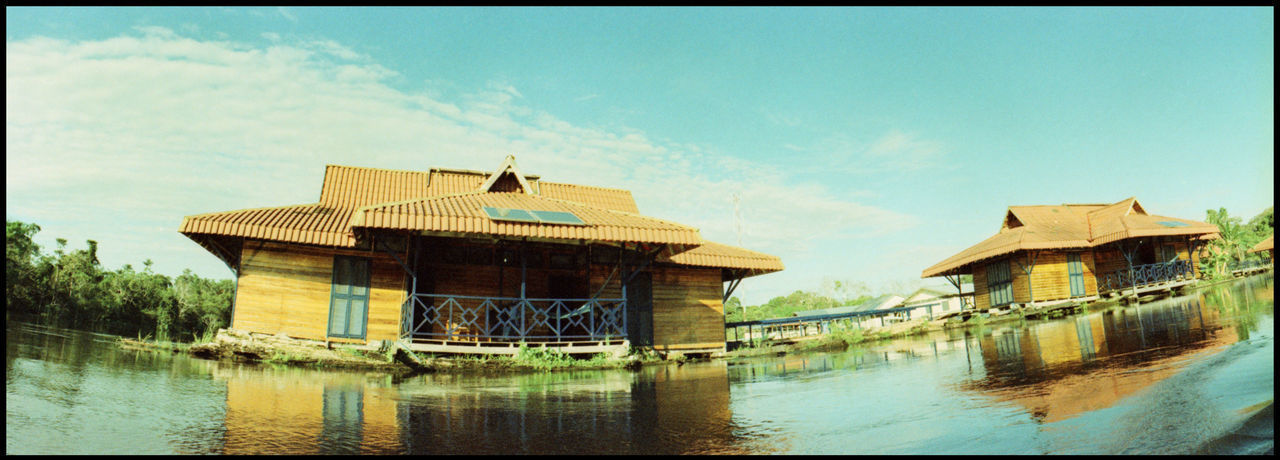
{"points": [[687, 308], [1183, 247], [599, 274], [1050, 279], [1020, 278], [285, 288], [981, 296], [1108, 259]]}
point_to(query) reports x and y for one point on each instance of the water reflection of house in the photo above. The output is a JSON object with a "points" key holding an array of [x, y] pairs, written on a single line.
{"points": [[296, 411], [300, 412], [1063, 368], [474, 262], [528, 415]]}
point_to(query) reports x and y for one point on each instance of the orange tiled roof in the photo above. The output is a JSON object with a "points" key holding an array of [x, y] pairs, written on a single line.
{"points": [[1069, 226], [354, 187], [451, 201], [315, 223], [464, 213], [712, 254], [1264, 245]]}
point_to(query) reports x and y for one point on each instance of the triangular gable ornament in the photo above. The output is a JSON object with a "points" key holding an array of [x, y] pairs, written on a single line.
{"points": [[508, 165]]}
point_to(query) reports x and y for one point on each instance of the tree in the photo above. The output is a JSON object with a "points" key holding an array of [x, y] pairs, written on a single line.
{"points": [[69, 288], [1235, 239], [843, 292], [22, 292], [733, 310]]}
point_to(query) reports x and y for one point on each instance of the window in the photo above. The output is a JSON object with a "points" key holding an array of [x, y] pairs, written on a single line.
{"points": [[349, 299], [999, 283]]}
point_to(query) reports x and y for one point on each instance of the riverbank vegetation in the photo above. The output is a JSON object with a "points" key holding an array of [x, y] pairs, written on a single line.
{"points": [[543, 359], [831, 294], [1218, 256], [70, 288]]}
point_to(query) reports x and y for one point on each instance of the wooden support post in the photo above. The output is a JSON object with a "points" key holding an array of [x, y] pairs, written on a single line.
{"points": [[1191, 254], [959, 289], [523, 269], [1128, 257], [1027, 269], [415, 250], [394, 256], [733, 284]]}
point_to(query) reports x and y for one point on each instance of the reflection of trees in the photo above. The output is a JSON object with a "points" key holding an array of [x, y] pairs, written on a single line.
{"points": [[1256, 294]]}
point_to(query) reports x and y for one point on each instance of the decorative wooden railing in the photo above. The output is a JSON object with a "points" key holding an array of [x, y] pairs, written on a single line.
{"points": [[512, 319], [1143, 275]]}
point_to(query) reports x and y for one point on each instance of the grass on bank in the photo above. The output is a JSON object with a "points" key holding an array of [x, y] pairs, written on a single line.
{"points": [[548, 359]]}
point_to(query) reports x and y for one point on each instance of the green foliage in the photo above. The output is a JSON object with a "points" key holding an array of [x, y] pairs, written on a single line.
{"points": [[1263, 224], [70, 288], [783, 306], [1236, 239], [22, 269]]}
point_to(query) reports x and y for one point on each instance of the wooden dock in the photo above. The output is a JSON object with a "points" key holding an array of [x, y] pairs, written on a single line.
{"points": [[1250, 271]]}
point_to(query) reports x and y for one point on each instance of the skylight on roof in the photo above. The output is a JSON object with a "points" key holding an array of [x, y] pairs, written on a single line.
{"points": [[514, 215], [1169, 223], [557, 217], [529, 215]]}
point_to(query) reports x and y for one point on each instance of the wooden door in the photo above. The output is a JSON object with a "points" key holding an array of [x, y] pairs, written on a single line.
{"points": [[640, 310], [1075, 274], [349, 299]]}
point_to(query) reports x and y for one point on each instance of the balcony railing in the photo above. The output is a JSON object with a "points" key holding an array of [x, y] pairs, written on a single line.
{"points": [[1143, 275], [511, 319]]}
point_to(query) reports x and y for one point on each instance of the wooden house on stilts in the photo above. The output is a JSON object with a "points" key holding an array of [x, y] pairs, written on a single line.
{"points": [[1078, 252], [458, 261]]}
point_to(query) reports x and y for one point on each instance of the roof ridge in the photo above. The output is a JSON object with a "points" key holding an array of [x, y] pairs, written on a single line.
{"points": [[265, 208], [330, 165], [476, 172], [586, 186], [435, 169], [424, 198]]}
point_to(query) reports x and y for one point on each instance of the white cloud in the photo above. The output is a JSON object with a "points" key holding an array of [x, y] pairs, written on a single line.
{"points": [[893, 152], [117, 139], [906, 151]]}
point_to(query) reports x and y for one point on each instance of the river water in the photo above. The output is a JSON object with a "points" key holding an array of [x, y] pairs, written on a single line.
{"points": [[1191, 374]]}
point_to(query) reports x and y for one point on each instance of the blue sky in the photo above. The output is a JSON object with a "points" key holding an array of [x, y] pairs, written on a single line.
{"points": [[866, 144]]}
